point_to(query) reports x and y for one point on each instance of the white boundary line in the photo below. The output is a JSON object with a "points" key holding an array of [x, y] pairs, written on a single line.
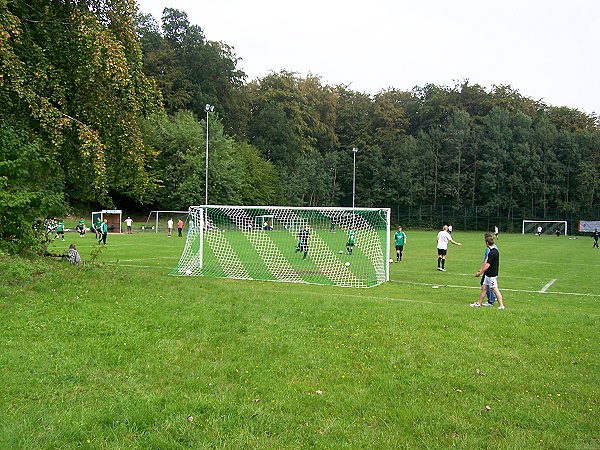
{"points": [[115, 261], [138, 265], [544, 290], [547, 285], [503, 289]]}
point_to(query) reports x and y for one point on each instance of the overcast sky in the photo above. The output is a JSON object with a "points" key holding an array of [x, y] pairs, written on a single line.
{"points": [[547, 49]]}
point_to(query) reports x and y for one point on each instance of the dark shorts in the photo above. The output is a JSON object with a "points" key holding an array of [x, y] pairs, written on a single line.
{"points": [[442, 251], [399, 247], [60, 232], [349, 244]]}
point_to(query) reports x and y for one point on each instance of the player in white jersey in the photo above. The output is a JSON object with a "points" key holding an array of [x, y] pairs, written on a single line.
{"points": [[443, 238]]}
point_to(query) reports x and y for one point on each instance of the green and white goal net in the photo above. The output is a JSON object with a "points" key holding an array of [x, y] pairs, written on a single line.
{"points": [[287, 244]]}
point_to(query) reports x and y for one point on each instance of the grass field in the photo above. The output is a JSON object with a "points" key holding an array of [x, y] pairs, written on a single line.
{"points": [[118, 354]]}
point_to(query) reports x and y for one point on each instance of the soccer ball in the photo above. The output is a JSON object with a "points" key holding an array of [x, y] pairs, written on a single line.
{"points": [[347, 263], [391, 260], [188, 272], [341, 252]]}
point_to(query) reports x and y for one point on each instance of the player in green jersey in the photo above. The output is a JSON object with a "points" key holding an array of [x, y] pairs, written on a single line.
{"points": [[81, 227], [98, 228], [400, 238], [103, 231], [350, 241], [60, 229]]}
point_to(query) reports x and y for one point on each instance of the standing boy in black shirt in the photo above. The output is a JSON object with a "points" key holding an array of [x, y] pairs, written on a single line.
{"points": [[490, 270]]}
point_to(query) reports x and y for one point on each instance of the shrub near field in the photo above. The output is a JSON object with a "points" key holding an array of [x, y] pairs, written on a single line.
{"points": [[117, 354]]}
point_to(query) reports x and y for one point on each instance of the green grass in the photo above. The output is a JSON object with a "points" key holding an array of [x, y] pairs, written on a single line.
{"points": [[118, 355]]}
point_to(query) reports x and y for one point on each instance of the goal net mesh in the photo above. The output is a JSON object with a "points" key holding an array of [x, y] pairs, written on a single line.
{"points": [[546, 227], [296, 245]]}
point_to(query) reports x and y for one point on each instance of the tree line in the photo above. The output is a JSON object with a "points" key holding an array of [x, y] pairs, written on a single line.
{"points": [[104, 106]]}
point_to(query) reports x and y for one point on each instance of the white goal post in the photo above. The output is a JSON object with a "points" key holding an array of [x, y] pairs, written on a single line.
{"points": [[288, 244], [547, 226]]}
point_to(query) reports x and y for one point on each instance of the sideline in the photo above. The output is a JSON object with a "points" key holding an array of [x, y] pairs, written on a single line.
{"points": [[503, 289]]}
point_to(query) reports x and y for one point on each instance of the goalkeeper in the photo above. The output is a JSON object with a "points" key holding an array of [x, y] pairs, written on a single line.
{"points": [[400, 239], [350, 241], [303, 237]]}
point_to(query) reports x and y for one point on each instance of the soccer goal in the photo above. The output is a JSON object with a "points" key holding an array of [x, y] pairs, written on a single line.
{"points": [[297, 246], [157, 220], [546, 226]]}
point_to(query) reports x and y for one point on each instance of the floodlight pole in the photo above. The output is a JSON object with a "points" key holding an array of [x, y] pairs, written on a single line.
{"points": [[208, 108], [354, 150]]}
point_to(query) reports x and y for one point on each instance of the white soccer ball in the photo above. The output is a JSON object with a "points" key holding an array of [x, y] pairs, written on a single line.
{"points": [[341, 252], [347, 263], [391, 260], [188, 272]]}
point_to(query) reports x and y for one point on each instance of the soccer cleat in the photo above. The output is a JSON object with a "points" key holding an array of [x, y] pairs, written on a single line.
{"points": [[487, 304], [440, 269], [501, 307], [474, 305], [443, 270]]}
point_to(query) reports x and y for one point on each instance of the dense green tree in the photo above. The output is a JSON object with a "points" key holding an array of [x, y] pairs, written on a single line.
{"points": [[31, 189], [72, 75], [192, 71], [495, 136], [544, 145], [237, 174], [114, 103], [275, 134], [260, 183], [459, 143]]}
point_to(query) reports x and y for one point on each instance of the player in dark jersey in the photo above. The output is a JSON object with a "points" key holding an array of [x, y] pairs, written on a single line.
{"points": [[351, 241], [490, 269], [303, 237]]}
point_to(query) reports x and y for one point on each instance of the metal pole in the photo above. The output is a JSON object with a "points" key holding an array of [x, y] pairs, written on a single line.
{"points": [[208, 108], [354, 150]]}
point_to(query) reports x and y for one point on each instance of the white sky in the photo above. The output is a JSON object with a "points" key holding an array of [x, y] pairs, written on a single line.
{"points": [[547, 49]]}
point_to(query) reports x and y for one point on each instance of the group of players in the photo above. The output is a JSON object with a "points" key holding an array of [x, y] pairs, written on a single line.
{"points": [[100, 228], [304, 237], [488, 271]]}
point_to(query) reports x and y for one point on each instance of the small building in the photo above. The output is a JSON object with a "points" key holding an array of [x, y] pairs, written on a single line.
{"points": [[113, 219]]}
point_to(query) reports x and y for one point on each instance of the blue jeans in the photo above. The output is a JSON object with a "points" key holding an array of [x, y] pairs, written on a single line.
{"points": [[490, 295]]}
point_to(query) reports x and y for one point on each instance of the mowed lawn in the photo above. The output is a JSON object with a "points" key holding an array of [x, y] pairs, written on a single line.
{"points": [[119, 354]]}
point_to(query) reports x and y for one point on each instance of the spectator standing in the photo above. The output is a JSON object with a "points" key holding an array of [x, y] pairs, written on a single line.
{"points": [[129, 225]]}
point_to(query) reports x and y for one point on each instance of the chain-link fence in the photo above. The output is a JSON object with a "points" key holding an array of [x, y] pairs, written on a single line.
{"points": [[482, 219]]}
